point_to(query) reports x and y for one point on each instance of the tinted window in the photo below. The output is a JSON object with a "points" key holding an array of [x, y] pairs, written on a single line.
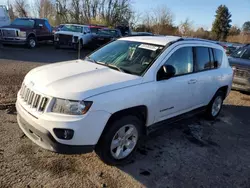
{"points": [[38, 22], [218, 54], [246, 54], [202, 59], [182, 60], [23, 22]]}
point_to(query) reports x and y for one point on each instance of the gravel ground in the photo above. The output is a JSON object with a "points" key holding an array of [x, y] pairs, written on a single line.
{"points": [[191, 153]]}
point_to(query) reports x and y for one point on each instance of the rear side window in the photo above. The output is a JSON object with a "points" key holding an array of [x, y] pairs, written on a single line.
{"points": [[182, 60], [202, 58], [218, 54]]}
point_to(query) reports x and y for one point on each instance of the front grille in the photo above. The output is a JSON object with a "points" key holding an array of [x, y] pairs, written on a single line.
{"points": [[65, 39], [34, 100], [241, 73], [9, 33]]}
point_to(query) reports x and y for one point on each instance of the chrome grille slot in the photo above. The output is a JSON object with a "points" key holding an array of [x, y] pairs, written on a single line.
{"points": [[33, 99], [27, 94], [36, 101], [43, 104], [241, 73]]}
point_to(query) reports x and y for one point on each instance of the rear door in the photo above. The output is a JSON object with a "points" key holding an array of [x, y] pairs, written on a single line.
{"points": [[42, 30], [207, 75]]}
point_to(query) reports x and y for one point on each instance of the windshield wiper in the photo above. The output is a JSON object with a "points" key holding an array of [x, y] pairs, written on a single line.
{"points": [[114, 67], [88, 58], [104, 64]]}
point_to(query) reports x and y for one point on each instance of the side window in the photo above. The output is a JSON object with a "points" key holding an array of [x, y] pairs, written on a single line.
{"points": [[182, 60], [202, 59], [88, 30], [218, 54], [37, 23]]}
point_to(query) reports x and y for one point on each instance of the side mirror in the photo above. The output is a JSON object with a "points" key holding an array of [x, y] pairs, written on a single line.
{"points": [[166, 72], [40, 25], [84, 33]]}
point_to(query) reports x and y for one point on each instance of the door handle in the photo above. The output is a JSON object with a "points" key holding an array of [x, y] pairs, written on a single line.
{"points": [[192, 81]]}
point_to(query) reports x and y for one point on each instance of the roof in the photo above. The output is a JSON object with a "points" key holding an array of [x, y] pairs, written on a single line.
{"points": [[158, 40]]}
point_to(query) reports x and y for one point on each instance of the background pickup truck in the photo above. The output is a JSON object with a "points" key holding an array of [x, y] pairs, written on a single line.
{"points": [[26, 31]]}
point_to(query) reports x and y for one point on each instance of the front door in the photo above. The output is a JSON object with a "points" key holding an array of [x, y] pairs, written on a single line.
{"points": [[175, 95]]}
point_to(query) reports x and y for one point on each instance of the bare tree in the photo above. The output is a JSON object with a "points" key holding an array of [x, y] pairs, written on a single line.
{"points": [[185, 28], [75, 11], [11, 11], [162, 20], [62, 11], [21, 8]]}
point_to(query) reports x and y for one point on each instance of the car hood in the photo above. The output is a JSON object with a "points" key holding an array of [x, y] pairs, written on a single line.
{"points": [[239, 62], [77, 80], [68, 33]]}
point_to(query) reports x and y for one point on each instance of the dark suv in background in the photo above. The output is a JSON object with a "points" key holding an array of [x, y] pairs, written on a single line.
{"points": [[240, 61], [26, 31]]}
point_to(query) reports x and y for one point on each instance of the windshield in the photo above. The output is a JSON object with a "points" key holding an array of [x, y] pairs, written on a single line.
{"points": [[23, 22], [72, 28], [108, 32], [94, 29], [238, 53], [130, 56]]}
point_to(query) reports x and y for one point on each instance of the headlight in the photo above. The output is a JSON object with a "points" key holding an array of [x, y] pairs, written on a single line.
{"points": [[22, 34], [71, 107]]}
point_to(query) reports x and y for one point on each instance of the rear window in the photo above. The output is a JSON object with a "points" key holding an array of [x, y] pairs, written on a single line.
{"points": [[218, 54]]}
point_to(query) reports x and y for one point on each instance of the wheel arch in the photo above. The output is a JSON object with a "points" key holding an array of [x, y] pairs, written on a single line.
{"points": [[31, 35], [224, 89], [140, 112]]}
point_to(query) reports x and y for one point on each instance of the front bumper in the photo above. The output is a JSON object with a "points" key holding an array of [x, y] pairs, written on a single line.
{"points": [[87, 129], [44, 139], [241, 84], [20, 41]]}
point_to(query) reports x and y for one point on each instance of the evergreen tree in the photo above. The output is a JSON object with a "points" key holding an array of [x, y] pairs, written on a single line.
{"points": [[221, 25]]}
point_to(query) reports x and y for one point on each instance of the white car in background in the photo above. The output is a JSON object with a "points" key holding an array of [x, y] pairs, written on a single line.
{"points": [[4, 16], [121, 92], [72, 35]]}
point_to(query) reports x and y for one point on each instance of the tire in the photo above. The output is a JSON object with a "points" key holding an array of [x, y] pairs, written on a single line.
{"points": [[103, 148], [31, 42], [212, 110]]}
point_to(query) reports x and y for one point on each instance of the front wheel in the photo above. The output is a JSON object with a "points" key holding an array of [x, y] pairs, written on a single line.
{"points": [[215, 106], [119, 140], [31, 42]]}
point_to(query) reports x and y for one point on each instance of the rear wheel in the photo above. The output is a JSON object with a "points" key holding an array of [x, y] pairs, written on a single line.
{"points": [[119, 140], [215, 106]]}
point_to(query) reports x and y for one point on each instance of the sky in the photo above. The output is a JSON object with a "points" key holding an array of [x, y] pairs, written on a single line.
{"points": [[200, 12]]}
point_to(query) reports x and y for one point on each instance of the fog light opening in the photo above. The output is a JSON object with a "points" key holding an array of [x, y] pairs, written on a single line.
{"points": [[65, 134]]}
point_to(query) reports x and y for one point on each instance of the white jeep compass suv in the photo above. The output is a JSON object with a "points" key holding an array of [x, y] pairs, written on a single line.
{"points": [[120, 92]]}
